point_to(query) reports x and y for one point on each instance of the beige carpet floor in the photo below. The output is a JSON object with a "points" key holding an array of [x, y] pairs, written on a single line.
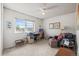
{"points": [[40, 48]]}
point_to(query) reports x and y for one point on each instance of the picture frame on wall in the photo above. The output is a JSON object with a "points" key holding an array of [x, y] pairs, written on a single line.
{"points": [[9, 24], [51, 25], [57, 25]]}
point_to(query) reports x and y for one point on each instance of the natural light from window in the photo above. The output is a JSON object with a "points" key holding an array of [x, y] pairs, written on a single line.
{"points": [[23, 26]]}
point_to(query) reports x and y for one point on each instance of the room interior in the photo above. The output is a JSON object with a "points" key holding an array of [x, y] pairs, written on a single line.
{"points": [[40, 29]]}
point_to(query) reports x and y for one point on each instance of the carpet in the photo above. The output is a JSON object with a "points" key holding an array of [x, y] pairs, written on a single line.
{"points": [[40, 48]]}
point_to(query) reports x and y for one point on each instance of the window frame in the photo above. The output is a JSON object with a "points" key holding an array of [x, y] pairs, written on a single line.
{"points": [[34, 25]]}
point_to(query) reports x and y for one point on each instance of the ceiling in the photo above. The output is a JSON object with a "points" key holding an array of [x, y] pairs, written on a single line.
{"points": [[33, 9]]}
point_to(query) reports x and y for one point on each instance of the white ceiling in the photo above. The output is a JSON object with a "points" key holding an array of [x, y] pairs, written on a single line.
{"points": [[33, 9]]}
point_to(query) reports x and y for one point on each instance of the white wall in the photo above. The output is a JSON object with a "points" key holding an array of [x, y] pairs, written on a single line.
{"points": [[9, 34], [65, 20], [1, 32]]}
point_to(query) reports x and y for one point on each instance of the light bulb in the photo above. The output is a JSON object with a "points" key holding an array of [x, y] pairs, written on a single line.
{"points": [[43, 13]]}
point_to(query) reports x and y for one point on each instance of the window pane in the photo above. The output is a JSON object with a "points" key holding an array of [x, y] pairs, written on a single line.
{"points": [[24, 26], [30, 26], [20, 25]]}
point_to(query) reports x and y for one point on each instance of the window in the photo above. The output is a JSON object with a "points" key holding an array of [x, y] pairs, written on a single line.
{"points": [[24, 26], [20, 25], [30, 26]]}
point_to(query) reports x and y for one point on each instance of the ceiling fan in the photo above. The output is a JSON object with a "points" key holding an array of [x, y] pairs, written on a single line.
{"points": [[45, 8]]}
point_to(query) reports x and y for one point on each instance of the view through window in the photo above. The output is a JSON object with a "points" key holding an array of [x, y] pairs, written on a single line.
{"points": [[24, 26]]}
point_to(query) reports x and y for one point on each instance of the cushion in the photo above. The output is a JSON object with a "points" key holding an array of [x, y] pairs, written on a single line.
{"points": [[60, 37]]}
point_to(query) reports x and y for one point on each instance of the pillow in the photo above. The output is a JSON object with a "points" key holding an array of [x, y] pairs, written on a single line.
{"points": [[69, 35], [60, 37], [56, 37]]}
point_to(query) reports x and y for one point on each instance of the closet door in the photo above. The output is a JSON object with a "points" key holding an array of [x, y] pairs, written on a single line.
{"points": [[77, 11], [77, 29]]}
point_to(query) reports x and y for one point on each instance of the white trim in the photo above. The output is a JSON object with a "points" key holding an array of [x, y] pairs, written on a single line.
{"points": [[1, 31]]}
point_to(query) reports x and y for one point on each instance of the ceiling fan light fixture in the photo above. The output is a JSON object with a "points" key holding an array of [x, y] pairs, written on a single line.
{"points": [[42, 9], [43, 13]]}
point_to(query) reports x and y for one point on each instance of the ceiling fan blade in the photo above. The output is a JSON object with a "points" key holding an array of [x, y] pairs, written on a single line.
{"points": [[51, 7]]}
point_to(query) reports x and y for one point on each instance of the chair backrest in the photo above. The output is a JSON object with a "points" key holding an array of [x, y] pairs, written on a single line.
{"points": [[31, 35]]}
